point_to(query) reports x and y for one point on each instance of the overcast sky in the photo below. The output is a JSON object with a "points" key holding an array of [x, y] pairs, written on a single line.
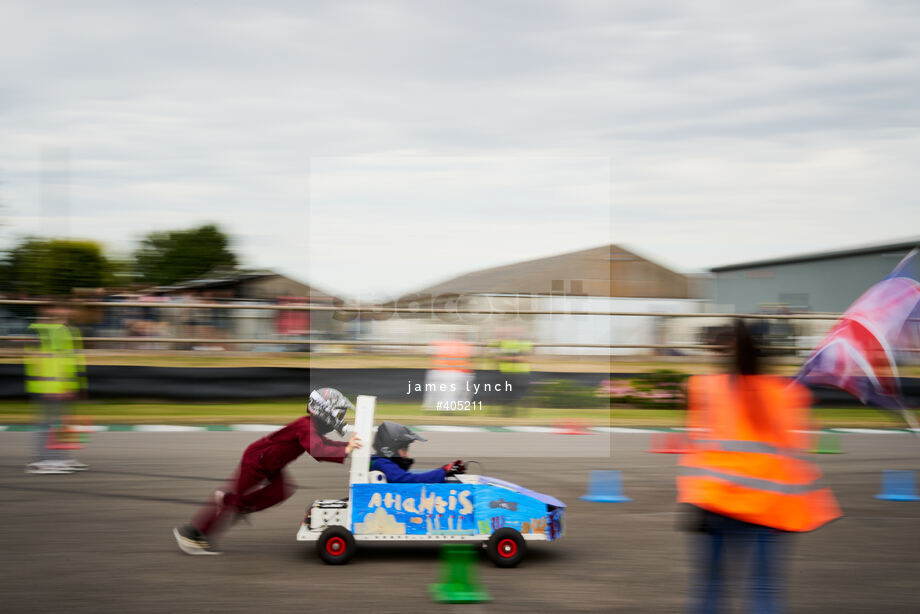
{"points": [[374, 148]]}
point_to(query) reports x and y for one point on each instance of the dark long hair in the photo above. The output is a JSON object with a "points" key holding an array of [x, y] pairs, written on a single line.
{"points": [[746, 361], [746, 353]]}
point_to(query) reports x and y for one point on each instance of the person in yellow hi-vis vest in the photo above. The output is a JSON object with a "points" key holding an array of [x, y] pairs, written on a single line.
{"points": [[514, 371], [55, 375]]}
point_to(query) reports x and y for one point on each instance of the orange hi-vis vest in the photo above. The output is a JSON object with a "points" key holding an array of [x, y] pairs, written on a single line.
{"points": [[452, 356], [748, 469]]}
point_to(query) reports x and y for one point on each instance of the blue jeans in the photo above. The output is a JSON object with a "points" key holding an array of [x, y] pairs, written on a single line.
{"points": [[50, 413], [725, 539]]}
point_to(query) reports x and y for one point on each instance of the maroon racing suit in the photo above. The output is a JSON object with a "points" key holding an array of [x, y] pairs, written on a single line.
{"points": [[261, 481]]}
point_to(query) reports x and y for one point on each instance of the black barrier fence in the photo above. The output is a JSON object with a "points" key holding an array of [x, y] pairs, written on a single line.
{"points": [[242, 383], [252, 383]]}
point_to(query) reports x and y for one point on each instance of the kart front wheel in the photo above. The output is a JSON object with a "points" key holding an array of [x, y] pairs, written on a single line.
{"points": [[336, 545], [506, 547]]}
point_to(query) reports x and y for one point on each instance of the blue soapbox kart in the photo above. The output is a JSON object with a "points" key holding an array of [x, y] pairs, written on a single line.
{"points": [[497, 514]]}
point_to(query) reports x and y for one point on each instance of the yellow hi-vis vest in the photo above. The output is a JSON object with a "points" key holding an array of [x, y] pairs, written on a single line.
{"points": [[56, 366], [747, 469], [511, 356]]}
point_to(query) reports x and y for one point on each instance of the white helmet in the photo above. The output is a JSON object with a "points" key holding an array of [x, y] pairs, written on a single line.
{"points": [[328, 407]]}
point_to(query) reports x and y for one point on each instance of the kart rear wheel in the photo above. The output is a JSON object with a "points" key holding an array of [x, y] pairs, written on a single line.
{"points": [[506, 547], [336, 546]]}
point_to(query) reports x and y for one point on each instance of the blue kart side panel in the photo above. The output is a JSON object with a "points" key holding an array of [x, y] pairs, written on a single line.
{"points": [[453, 508], [498, 507], [413, 509]]}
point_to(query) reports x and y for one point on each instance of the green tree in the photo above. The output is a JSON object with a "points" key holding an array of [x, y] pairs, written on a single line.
{"points": [[180, 255], [54, 267]]}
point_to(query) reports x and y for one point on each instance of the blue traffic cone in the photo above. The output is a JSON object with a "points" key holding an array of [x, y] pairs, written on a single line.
{"points": [[605, 486], [898, 486]]}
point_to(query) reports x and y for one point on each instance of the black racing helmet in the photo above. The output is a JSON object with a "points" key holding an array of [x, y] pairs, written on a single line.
{"points": [[392, 437], [328, 407]]}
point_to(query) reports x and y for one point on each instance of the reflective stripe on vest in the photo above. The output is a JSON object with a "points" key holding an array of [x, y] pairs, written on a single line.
{"points": [[748, 482], [746, 467], [452, 356], [737, 445]]}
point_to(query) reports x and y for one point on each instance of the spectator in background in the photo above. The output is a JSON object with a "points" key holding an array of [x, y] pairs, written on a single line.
{"points": [[85, 318], [449, 383], [55, 376], [746, 485], [512, 357]]}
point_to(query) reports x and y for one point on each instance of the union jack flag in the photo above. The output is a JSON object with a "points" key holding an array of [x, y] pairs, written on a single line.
{"points": [[860, 353]]}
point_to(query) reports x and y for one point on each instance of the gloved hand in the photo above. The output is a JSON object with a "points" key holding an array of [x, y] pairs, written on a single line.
{"points": [[455, 467]]}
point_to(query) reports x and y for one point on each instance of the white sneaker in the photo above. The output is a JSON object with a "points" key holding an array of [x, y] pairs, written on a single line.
{"points": [[48, 467], [75, 465], [192, 541]]}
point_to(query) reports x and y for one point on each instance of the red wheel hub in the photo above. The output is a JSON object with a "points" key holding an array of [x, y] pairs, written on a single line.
{"points": [[335, 546], [507, 548]]}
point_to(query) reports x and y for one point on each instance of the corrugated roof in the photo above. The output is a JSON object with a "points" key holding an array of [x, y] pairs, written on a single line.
{"points": [[828, 255]]}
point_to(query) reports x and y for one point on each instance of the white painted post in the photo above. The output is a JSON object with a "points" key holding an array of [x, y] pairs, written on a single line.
{"points": [[364, 427]]}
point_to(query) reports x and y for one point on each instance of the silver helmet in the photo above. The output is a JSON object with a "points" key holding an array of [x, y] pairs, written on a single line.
{"points": [[328, 407]]}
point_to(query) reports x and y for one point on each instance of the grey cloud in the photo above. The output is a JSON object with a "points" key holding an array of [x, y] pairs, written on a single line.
{"points": [[176, 107]]}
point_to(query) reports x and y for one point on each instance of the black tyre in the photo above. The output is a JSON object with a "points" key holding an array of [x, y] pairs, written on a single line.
{"points": [[336, 546], [506, 547]]}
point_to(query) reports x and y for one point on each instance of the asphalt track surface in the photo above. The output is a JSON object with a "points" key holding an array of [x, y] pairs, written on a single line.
{"points": [[101, 541]]}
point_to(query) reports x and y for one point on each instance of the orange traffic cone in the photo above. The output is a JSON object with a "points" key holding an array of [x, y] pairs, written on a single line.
{"points": [[657, 443], [682, 443], [63, 438], [571, 427], [84, 425], [669, 443]]}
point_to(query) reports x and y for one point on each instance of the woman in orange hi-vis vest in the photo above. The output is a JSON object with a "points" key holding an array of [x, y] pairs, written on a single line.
{"points": [[744, 474]]}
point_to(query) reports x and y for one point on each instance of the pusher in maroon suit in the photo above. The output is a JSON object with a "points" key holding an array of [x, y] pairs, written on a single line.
{"points": [[261, 480]]}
